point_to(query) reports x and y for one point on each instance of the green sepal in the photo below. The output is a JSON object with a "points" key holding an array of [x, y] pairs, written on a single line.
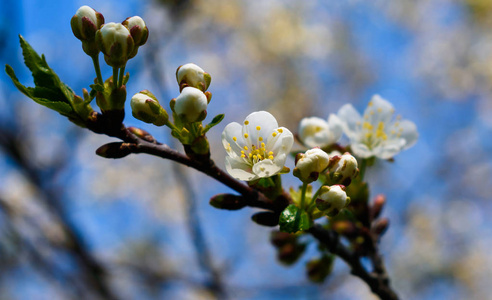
{"points": [[294, 219], [215, 121], [97, 87]]}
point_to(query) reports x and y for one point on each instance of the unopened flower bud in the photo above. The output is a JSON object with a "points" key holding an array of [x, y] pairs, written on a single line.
{"points": [[228, 201], [318, 269], [146, 107], [138, 31], [194, 76], [191, 105], [310, 164], [116, 42], [85, 23], [343, 169], [332, 199], [316, 132]]}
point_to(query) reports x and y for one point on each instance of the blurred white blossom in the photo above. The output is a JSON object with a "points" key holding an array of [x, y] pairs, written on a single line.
{"points": [[376, 133]]}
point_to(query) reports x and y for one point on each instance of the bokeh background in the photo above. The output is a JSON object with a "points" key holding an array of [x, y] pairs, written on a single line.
{"points": [[74, 225]]}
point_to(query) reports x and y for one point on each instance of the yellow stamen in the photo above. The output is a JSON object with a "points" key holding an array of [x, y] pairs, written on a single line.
{"points": [[274, 134], [246, 135], [260, 138], [234, 138], [270, 157], [246, 122], [245, 147], [280, 130], [258, 127]]}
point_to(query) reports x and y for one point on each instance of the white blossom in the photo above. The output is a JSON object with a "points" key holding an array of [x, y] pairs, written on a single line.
{"points": [[317, 132], [258, 148], [377, 133]]}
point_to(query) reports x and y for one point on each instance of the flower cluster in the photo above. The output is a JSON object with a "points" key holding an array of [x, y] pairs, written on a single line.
{"points": [[118, 41]]}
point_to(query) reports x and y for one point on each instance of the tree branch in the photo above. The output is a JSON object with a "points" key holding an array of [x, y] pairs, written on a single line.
{"points": [[378, 280]]}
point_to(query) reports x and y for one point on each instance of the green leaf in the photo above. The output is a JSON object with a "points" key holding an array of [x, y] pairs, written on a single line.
{"points": [[294, 219], [49, 91], [215, 121]]}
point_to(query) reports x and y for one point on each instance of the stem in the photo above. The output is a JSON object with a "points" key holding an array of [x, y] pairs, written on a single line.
{"points": [[122, 74], [95, 61], [303, 194], [115, 76], [362, 169]]}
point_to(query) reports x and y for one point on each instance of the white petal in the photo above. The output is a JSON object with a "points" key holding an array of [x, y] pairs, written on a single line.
{"points": [[239, 169], [378, 110], [361, 150], [389, 148], [351, 120], [266, 168], [409, 133], [263, 120], [336, 127], [282, 143], [232, 130]]}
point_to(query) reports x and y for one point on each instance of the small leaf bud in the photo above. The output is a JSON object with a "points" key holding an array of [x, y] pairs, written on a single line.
{"points": [[138, 31], [142, 134], [146, 107], [380, 226], [266, 218], [193, 76], [332, 199], [114, 150], [310, 164], [228, 201], [191, 105], [343, 169], [116, 42]]}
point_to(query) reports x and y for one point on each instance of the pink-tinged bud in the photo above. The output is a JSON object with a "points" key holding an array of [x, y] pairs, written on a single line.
{"points": [[377, 206], [116, 42], [194, 76], [86, 22], [310, 164], [138, 31], [191, 105], [332, 199]]}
